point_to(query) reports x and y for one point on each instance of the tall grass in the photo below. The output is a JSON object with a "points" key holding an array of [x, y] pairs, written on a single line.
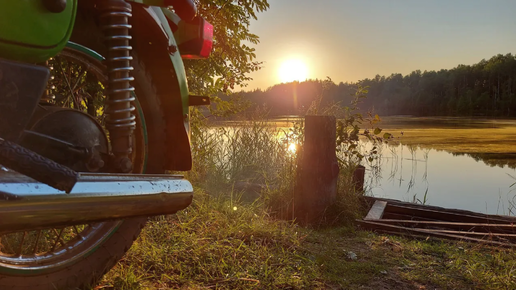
{"points": [[255, 161], [247, 159], [215, 243]]}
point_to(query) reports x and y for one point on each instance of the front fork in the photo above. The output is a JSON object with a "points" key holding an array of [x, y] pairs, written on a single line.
{"points": [[120, 121]]}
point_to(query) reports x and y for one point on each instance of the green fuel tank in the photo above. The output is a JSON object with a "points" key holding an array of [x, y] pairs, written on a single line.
{"points": [[35, 30]]}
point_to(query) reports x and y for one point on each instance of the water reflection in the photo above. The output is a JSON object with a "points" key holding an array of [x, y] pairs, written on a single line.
{"points": [[493, 159], [292, 147], [429, 176]]}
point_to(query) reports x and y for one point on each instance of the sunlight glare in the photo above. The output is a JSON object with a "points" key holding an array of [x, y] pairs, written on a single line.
{"points": [[293, 70], [292, 147]]}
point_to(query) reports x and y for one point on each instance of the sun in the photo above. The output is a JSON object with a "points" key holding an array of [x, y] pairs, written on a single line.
{"points": [[293, 70]]}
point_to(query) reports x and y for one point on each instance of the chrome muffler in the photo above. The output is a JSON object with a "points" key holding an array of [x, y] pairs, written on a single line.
{"points": [[27, 204]]}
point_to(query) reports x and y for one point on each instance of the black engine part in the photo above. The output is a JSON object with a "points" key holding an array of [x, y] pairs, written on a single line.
{"points": [[21, 87], [69, 137]]}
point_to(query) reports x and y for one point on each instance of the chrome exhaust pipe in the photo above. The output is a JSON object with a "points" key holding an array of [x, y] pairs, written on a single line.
{"points": [[26, 204]]}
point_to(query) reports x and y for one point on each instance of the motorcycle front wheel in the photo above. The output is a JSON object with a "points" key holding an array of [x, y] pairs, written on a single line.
{"points": [[76, 257]]}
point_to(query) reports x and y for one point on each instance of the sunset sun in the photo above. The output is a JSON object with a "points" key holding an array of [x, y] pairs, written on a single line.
{"points": [[292, 70]]}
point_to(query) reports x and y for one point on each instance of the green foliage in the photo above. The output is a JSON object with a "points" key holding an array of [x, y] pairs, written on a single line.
{"points": [[485, 88], [457, 265], [225, 240], [76, 87], [323, 106], [353, 128], [355, 125], [321, 97], [231, 58]]}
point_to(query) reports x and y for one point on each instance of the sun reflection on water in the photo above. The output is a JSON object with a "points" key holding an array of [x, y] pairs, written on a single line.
{"points": [[292, 148]]}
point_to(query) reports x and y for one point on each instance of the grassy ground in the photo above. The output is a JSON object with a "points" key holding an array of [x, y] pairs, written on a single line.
{"points": [[221, 244]]}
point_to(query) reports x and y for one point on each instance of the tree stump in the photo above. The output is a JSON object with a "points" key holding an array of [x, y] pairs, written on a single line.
{"points": [[318, 169]]}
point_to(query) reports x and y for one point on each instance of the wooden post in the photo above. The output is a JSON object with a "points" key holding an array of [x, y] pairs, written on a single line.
{"points": [[358, 178], [316, 187]]}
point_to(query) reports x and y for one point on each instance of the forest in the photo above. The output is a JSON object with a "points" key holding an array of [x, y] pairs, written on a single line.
{"points": [[486, 88]]}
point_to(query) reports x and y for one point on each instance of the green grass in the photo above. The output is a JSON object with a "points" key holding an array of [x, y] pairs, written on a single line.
{"points": [[222, 244], [216, 243]]}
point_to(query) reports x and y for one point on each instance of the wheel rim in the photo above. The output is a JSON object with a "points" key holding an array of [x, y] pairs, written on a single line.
{"points": [[34, 252]]}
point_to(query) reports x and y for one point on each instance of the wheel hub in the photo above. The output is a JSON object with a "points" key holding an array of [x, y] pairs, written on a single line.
{"points": [[69, 137]]}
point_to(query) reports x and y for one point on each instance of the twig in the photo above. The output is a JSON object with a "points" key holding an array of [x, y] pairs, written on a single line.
{"points": [[229, 280]]}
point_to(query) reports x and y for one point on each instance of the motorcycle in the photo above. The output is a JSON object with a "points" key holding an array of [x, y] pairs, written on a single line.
{"points": [[94, 109]]}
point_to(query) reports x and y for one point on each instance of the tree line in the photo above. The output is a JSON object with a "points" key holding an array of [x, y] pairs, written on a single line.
{"points": [[486, 88]]}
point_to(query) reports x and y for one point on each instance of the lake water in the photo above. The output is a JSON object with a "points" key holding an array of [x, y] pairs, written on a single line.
{"points": [[439, 178], [428, 172]]}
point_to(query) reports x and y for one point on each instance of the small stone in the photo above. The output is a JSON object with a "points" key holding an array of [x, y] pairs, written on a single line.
{"points": [[352, 256], [383, 272]]}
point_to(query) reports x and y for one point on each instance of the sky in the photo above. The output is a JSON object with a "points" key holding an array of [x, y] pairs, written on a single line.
{"points": [[349, 40]]}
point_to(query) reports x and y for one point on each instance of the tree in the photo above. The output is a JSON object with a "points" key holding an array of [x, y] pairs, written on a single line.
{"points": [[231, 59]]}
